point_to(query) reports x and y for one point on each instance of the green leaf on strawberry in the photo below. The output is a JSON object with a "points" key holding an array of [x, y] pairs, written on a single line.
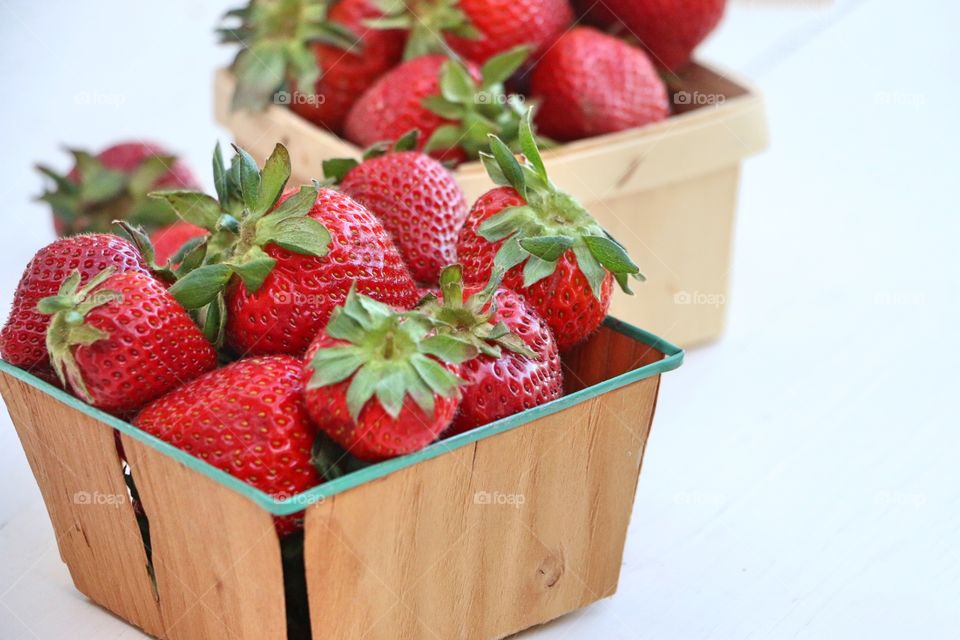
{"points": [[201, 286], [336, 169], [426, 24], [551, 222], [141, 240], [253, 267], [243, 221], [477, 108], [276, 38], [387, 355], [291, 228], [214, 321], [547, 248], [68, 328], [446, 136], [406, 142], [469, 322], [456, 85], [260, 74], [498, 69], [194, 207]]}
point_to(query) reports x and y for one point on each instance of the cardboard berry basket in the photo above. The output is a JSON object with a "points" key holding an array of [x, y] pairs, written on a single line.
{"points": [[667, 191], [479, 536]]}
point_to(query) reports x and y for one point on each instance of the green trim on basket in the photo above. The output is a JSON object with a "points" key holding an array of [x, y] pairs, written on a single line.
{"points": [[673, 358]]}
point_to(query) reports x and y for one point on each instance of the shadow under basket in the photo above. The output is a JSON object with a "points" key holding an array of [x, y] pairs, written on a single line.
{"points": [[667, 191], [480, 536]]}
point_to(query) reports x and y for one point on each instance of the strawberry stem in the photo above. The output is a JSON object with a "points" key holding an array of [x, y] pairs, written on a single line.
{"points": [[68, 328], [472, 320], [387, 355], [550, 223]]}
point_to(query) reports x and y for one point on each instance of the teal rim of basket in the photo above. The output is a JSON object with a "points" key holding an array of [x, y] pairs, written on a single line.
{"points": [[673, 358]]}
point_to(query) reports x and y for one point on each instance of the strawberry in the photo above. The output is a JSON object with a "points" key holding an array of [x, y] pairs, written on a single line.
{"points": [[23, 339], [273, 268], [112, 185], [247, 419], [669, 29], [379, 383], [121, 340], [549, 247], [477, 29], [306, 43], [591, 83], [169, 240], [306, 289], [418, 201], [454, 106], [518, 367]]}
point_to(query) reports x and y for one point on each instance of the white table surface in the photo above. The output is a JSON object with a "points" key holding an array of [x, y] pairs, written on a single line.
{"points": [[802, 478]]}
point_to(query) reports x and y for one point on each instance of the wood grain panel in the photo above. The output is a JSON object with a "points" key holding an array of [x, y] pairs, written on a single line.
{"points": [[216, 554], [681, 236], [686, 145], [493, 538], [75, 462]]}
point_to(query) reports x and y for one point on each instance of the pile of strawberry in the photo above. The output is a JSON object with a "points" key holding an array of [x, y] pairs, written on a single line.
{"points": [[372, 309], [460, 70]]}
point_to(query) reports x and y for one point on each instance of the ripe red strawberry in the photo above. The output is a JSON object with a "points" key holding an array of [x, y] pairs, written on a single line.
{"points": [[346, 73], [169, 240], [669, 29], [518, 367], [590, 83], [273, 268], [378, 384], [395, 105], [480, 29], [550, 249], [23, 339], [299, 295], [455, 107], [328, 56], [246, 419], [121, 340], [504, 24], [112, 186], [418, 201]]}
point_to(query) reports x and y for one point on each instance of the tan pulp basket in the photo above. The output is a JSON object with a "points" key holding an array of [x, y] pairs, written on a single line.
{"points": [[667, 191], [476, 537]]}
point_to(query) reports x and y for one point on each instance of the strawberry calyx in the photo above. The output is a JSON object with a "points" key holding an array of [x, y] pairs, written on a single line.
{"points": [[426, 22], [68, 327], [476, 109], [551, 222], [336, 169], [275, 38], [471, 320], [240, 229], [90, 198], [389, 355]]}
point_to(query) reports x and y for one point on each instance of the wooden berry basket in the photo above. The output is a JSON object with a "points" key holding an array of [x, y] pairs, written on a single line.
{"points": [[479, 536], [667, 191]]}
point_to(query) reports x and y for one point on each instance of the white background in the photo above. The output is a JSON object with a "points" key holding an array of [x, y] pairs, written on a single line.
{"points": [[802, 480]]}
